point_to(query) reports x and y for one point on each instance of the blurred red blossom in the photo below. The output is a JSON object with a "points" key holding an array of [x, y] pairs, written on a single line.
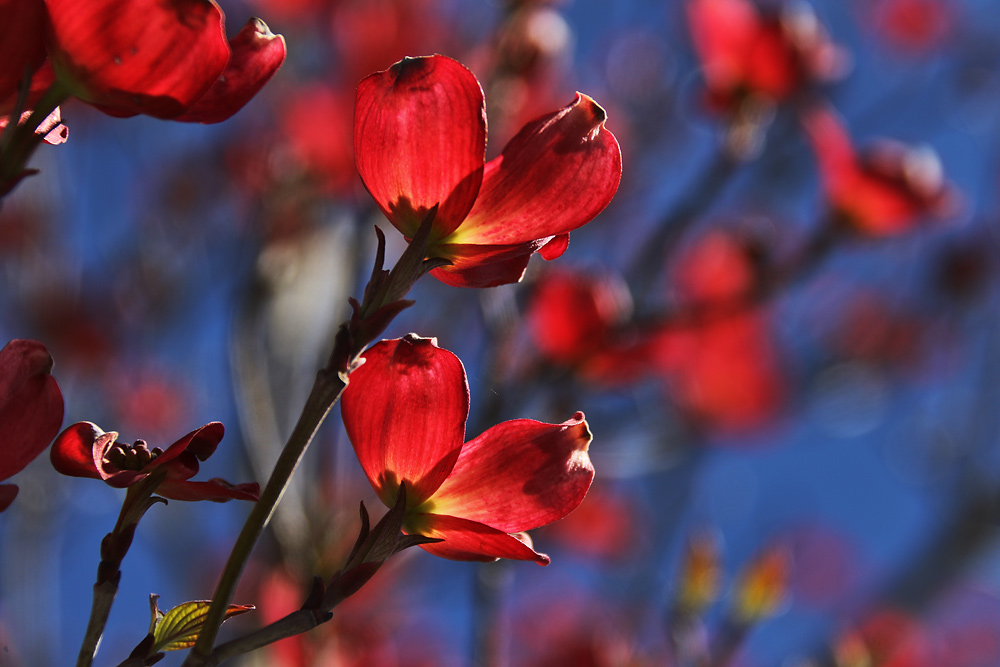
{"points": [[748, 54], [370, 35], [605, 527], [405, 411], [886, 638], [723, 369], [420, 142], [169, 61], [912, 26], [566, 626], [325, 150], [874, 330], [582, 320], [368, 630], [887, 190], [84, 450], [959, 630], [573, 317], [31, 409]]}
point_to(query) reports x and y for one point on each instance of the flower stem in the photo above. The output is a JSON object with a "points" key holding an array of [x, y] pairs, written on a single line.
{"points": [[104, 597], [325, 393], [114, 546], [381, 302]]}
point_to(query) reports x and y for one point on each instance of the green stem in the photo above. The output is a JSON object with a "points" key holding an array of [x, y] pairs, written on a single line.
{"points": [[104, 597], [114, 546], [384, 290], [293, 624], [325, 393]]}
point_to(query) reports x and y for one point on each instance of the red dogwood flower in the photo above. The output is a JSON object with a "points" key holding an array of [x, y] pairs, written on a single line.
{"points": [[31, 409], [405, 410], [84, 450], [420, 142], [168, 60], [884, 191], [747, 53]]}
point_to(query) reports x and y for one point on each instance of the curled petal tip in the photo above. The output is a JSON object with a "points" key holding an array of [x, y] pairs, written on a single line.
{"points": [[597, 113], [261, 28], [417, 339]]}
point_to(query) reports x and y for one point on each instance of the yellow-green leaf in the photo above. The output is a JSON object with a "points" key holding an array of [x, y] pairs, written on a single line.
{"points": [[179, 627]]}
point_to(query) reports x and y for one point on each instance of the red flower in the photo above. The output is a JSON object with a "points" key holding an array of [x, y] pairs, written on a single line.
{"points": [[886, 191], [405, 410], [163, 59], [84, 450], [747, 54], [582, 321], [31, 409], [572, 315], [913, 26], [420, 142], [724, 371]]}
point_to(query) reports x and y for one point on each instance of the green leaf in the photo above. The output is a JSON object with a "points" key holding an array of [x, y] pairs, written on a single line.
{"points": [[179, 627]]}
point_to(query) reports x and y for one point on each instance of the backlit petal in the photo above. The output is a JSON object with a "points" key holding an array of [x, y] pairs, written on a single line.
{"points": [[483, 265], [555, 175], [420, 140], [722, 32], [257, 53], [200, 442], [469, 540], [404, 410], [838, 163], [142, 56], [519, 475], [31, 405], [73, 451], [217, 490]]}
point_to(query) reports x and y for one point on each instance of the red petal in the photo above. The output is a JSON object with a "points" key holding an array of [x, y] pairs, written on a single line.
{"points": [[519, 475], [469, 540], [142, 56], [723, 32], [200, 442], [31, 405], [838, 163], [7, 494], [555, 175], [420, 140], [73, 451], [554, 248], [22, 42], [483, 265], [217, 490], [257, 53], [404, 410]]}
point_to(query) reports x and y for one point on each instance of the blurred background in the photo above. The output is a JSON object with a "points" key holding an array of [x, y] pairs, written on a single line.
{"points": [[782, 331]]}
